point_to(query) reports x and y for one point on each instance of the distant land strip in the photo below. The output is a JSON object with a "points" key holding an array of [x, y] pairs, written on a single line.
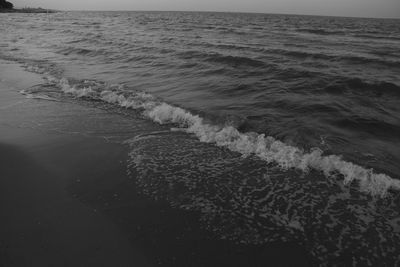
{"points": [[8, 7], [28, 10]]}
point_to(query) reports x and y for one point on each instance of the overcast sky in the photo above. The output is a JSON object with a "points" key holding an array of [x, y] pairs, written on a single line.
{"points": [[358, 8]]}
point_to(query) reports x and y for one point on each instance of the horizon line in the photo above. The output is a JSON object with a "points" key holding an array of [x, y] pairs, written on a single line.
{"points": [[213, 11]]}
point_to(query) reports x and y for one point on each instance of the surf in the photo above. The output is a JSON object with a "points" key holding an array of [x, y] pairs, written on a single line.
{"points": [[247, 144]]}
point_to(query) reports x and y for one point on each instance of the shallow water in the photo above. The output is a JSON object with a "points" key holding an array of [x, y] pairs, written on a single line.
{"points": [[274, 127]]}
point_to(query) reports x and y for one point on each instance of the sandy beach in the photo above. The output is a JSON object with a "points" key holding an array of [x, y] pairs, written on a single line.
{"points": [[43, 222], [66, 198]]}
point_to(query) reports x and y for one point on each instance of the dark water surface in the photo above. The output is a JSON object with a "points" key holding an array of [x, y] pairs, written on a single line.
{"points": [[275, 128]]}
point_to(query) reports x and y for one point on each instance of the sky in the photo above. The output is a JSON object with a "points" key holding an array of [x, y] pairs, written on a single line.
{"points": [[352, 8]]}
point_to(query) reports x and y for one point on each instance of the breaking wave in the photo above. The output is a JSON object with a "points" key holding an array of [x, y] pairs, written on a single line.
{"points": [[264, 147]]}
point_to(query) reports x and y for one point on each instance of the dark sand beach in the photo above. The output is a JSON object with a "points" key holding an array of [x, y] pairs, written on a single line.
{"points": [[44, 223], [66, 199]]}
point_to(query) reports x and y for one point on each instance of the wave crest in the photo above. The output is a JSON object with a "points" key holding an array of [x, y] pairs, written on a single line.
{"points": [[248, 144], [274, 151]]}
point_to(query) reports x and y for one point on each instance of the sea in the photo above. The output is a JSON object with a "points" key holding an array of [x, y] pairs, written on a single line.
{"points": [[272, 127]]}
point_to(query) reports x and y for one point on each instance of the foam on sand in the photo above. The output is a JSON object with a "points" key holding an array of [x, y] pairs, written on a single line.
{"points": [[250, 143]]}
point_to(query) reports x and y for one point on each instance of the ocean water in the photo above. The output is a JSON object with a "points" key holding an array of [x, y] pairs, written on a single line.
{"points": [[273, 127]]}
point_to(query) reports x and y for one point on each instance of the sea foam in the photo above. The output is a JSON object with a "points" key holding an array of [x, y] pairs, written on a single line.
{"points": [[266, 148], [274, 151]]}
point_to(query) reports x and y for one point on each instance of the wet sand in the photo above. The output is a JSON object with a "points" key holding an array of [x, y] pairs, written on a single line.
{"points": [[44, 223], [66, 200]]}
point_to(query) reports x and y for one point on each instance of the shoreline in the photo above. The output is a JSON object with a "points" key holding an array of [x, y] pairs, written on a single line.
{"points": [[67, 198], [44, 223]]}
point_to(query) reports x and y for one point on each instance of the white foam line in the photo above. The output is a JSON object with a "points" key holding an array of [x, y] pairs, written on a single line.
{"points": [[265, 147], [272, 150]]}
